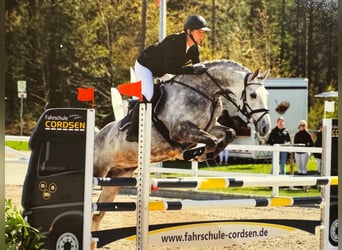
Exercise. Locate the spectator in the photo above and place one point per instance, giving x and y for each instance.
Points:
(223, 155)
(280, 135)
(318, 143)
(302, 137)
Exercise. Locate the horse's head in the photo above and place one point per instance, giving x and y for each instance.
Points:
(254, 101)
(244, 93)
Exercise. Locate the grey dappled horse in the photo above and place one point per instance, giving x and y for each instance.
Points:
(189, 110)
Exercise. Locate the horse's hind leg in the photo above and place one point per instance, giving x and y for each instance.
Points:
(108, 195)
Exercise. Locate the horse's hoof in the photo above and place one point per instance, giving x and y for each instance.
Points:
(193, 153)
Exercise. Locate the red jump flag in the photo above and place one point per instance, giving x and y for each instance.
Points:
(132, 89)
(85, 94)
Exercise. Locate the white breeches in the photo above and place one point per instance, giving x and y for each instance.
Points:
(302, 160)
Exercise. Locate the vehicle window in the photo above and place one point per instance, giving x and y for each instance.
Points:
(61, 156)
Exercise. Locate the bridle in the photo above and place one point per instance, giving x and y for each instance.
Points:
(246, 109)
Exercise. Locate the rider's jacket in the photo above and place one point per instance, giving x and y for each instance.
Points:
(170, 56)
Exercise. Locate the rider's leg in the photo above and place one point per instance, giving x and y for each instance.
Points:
(132, 132)
(145, 75)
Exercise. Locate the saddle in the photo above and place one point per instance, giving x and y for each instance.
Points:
(158, 95)
(127, 120)
(157, 103)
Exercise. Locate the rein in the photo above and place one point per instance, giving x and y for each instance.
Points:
(246, 109)
(214, 100)
(195, 90)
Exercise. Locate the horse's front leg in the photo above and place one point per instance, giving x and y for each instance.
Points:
(189, 133)
(225, 136)
(107, 195)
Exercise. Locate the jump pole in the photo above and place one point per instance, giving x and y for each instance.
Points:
(209, 204)
(204, 183)
(142, 209)
(212, 183)
(143, 186)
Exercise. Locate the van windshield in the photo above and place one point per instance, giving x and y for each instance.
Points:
(57, 156)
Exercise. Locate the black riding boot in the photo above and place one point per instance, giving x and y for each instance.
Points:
(132, 132)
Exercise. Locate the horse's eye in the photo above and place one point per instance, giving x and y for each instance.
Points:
(253, 95)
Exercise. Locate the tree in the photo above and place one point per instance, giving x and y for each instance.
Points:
(57, 46)
(64, 44)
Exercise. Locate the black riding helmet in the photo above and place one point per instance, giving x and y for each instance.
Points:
(196, 22)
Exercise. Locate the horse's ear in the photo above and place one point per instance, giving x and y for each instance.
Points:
(252, 76)
(264, 75)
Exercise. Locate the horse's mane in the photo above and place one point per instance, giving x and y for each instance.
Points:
(236, 66)
(223, 65)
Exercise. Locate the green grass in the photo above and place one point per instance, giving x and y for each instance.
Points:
(18, 145)
(260, 168)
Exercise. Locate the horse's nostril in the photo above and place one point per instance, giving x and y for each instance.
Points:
(264, 130)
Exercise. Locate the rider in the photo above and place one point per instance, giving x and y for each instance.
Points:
(170, 56)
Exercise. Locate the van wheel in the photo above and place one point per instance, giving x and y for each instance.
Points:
(333, 225)
(67, 234)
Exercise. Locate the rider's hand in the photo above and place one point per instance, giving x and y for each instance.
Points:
(199, 68)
